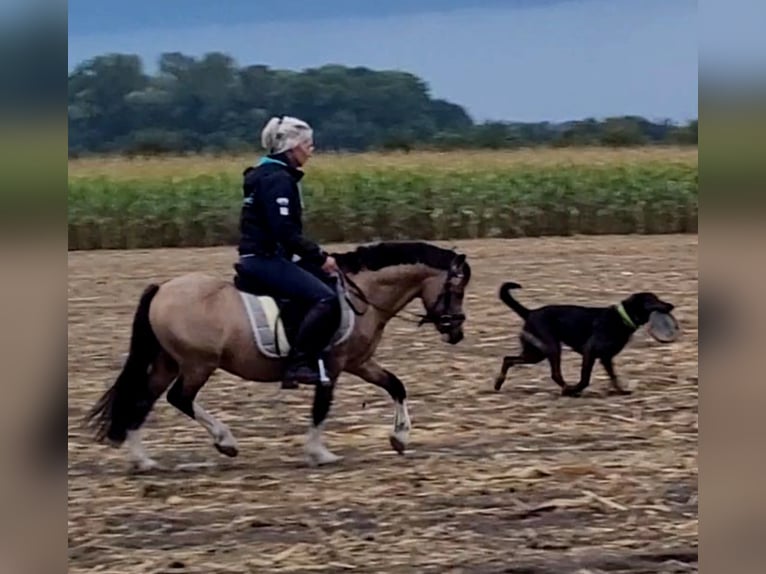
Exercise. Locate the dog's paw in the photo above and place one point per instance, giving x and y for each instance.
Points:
(571, 392)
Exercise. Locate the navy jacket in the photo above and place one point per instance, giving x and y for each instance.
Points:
(271, 217)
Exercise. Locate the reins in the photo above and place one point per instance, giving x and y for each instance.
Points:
(347, 282)
(420, 318)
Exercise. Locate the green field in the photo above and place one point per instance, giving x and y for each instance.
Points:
(194, 201)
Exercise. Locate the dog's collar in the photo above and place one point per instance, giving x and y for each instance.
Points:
(625, 317)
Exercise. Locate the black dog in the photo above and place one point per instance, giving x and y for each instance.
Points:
(593, 332)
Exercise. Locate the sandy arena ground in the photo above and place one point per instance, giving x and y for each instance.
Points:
(517, 481)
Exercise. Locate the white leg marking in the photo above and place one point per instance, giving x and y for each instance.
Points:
(221, 434)
(141, 461)
(400, 435)
(316, 452)
(402, 424)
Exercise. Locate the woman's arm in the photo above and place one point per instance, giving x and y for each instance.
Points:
(283, 211)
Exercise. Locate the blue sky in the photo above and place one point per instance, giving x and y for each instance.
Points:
(522, 60)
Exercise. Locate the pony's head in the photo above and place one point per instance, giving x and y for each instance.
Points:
(442, 297)
(441, 288)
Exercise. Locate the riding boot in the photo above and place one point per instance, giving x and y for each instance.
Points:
(314, 335)
(301, 368)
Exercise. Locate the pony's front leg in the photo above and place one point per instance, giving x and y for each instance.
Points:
(378, 376)
(316, 452)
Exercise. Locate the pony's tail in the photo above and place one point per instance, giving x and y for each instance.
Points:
(125, 405)
(507, 298)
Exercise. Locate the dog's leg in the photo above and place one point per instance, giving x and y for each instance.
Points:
(588, 360)
(529, 356)
(613, 378)
(555, 361)
(508, 362)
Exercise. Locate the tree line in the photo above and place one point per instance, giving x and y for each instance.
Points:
(210, 104)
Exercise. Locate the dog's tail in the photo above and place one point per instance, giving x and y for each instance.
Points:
(507, 298)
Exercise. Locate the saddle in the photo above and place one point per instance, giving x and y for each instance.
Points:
(275, 320)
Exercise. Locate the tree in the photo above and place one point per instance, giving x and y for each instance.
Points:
(622, 132)
(210, 103)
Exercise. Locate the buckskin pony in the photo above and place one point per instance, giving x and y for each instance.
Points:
(189, 326)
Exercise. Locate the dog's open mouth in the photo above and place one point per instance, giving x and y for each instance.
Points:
(663, 327)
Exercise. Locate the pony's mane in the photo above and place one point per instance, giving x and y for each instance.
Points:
(377, 256)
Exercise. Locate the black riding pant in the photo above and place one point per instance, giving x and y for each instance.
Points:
(285, 279)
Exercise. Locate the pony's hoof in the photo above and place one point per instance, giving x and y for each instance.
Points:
(144, 465)
(322, 458)
(230, 451)
(397, 444)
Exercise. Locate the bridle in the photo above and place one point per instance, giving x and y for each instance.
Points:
(441, 320)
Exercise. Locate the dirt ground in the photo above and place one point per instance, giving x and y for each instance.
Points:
(520, 481)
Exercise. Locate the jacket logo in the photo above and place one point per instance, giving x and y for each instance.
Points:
(283, 202)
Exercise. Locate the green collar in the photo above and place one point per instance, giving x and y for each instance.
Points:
(625, 317)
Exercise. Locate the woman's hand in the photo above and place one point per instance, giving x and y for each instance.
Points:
(329, 265)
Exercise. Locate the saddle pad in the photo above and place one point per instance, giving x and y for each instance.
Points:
(266, 323)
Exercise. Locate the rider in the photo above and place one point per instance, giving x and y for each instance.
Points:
(273, 249)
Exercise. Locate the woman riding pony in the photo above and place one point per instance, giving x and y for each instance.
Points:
(276, 254)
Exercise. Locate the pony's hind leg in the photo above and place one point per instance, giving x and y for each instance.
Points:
(182, 395)
(316, 452)
(138, 457)
(122, 408)
(163, 371)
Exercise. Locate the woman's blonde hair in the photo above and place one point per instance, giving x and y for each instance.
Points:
(283, 133)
